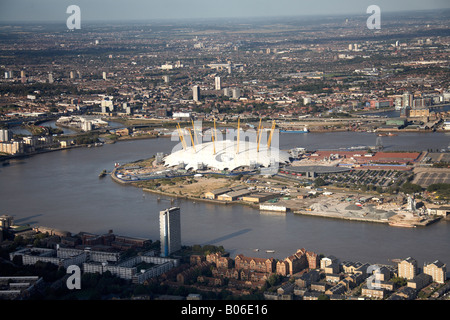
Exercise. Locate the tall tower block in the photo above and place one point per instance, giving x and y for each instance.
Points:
(170, 231)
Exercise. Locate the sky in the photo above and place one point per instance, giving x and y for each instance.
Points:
(116, 10)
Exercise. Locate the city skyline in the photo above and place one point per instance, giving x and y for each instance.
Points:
(52, 11)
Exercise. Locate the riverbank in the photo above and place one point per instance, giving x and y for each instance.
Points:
(393, 221)
(332, 216)
(130, 138)
(173, 194)
(26, 155)
(331, 205)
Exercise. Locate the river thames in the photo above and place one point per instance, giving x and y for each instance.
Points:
(62, 190)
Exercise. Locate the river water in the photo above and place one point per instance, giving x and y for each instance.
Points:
(62, 190)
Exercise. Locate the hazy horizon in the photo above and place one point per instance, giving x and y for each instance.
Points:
(140, 10)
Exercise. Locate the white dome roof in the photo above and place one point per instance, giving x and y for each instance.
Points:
(226, 156)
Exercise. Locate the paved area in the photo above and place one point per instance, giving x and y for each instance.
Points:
(428, 176)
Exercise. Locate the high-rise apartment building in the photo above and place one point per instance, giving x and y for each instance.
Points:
(217, 83)
(170, 230)
(408, 99)
(236, 93)
(407, 268)
(196, 93)
(437, 270)
(23, 76)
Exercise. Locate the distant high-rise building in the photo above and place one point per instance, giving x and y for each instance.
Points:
(107, 104)
(50, 78)
(104, 75)
(236, 93)
(196, 93)
(229, 68)
(23, 77)
(86, 125)
(170, 231)
(72, 75)
(217, 83)
(5, 135)
(408, 99)
(166, 78)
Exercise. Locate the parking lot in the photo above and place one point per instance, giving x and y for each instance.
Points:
(427, 178)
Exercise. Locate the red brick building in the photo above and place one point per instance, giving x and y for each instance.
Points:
(255, 264)
(300, 260)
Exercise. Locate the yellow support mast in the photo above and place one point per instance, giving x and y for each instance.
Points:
(181, 136)
(192, 139)
(193, 128)
(260, 129)
(257, 132)
(238, 138)
(213, 135)
(271, 134)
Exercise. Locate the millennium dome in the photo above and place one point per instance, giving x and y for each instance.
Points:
(226, 155)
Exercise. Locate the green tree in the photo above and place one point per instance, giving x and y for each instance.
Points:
(319, 182)
(399, 281)
(411, 188)
(274, 279)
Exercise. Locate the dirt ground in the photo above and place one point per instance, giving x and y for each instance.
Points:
(197, 186)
